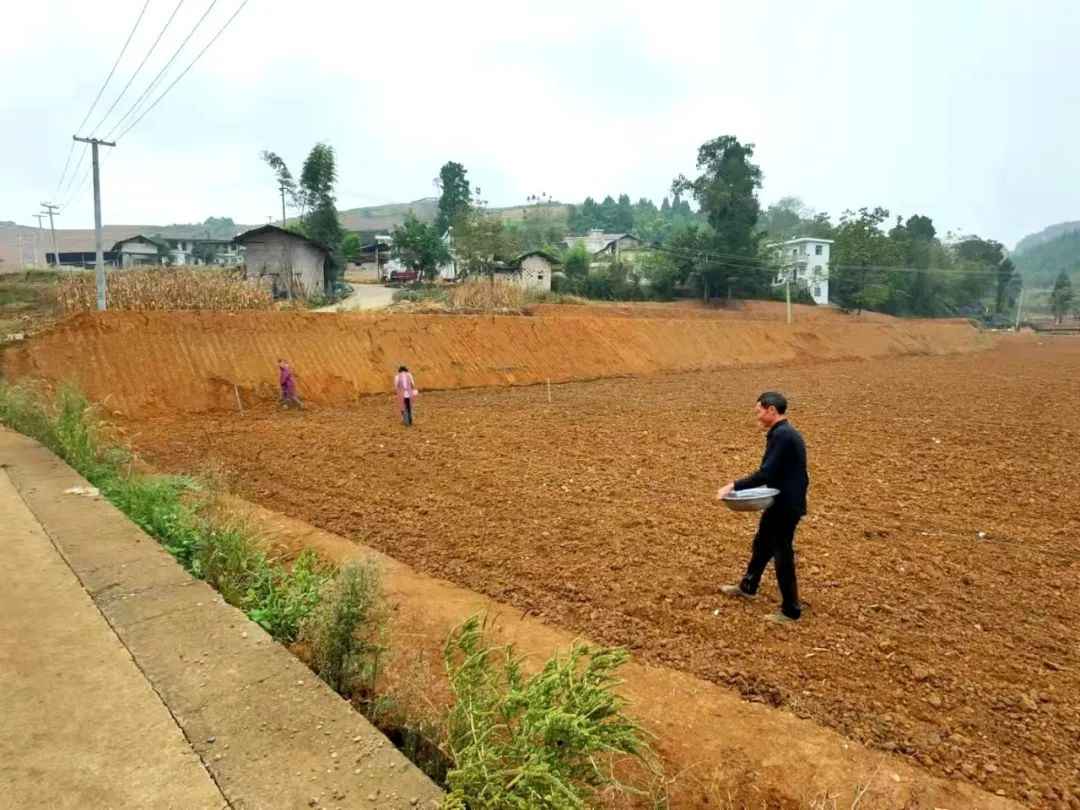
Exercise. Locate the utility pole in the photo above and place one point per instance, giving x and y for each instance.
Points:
(99, 264)
(1019, 307)
(283, 220)
(41, 233)
(51, 209)
(787, 293)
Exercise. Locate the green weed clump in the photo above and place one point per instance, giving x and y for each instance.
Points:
(347, 662)
(548, 740)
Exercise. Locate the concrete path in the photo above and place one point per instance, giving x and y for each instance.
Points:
(82, 727)
(364, 296)
(125, 683)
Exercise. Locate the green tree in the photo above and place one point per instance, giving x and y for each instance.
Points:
(481, 240)
(205, 252)
(419, 246)
(861, 256)
(660, 271)
(976, 263)
(313, 196)
(726, 193)
(1062, 297)
(624, 215)
(284, 178)
(455, 197)
(576, 261)
(1006, 272)
(350, 246)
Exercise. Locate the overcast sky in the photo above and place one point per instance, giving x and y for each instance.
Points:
(966, 111)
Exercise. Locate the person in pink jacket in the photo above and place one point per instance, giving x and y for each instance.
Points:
(405, 386)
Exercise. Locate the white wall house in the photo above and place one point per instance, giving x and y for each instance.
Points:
(805, 261)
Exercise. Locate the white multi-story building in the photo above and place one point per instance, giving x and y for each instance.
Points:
(805, 261)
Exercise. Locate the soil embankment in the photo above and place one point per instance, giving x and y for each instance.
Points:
(145, 363)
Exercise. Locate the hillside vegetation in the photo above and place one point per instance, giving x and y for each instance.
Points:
(1039, 258)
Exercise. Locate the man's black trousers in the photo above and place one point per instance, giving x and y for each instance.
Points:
(774, 541)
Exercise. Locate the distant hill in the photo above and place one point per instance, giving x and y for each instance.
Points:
(1046, 235)
(1042, 256)
(386, 217)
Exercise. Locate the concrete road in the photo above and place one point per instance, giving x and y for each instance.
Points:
(364, 296)
(82, 726)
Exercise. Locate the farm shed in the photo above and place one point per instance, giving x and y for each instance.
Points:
(281, 255)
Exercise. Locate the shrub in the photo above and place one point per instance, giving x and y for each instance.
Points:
(541, 741)
(282, 599)
(348, 663)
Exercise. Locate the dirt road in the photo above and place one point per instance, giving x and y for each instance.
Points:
(364, 296)
(938, 565)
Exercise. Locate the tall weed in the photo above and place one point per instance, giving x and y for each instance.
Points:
(542, 741)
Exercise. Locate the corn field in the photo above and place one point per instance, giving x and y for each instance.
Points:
(172, 288)
(487, 294)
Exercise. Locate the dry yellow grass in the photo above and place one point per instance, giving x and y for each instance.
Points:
(487, 295)
(165, 288)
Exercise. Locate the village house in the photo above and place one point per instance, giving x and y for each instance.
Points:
(599, 243)
(805, 262)
(531, 271)
(141, 250)
(290, 261)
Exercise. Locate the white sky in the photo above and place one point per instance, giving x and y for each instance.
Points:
(965, 111)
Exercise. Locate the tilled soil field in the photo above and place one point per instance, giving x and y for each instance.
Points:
(938, 567)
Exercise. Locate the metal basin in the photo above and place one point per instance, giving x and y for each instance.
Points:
(757, 499)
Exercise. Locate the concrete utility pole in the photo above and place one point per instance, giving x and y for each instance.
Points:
(283, 220)
(787, 293)
(99, 264)
(51, 209)
(41, 233)
(1019, 309)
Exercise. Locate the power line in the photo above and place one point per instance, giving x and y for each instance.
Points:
(161, 33)
(184, 73)
(75, 173)
(165, 69)
(97, 98)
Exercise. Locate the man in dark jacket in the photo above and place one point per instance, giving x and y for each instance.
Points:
(784, 468)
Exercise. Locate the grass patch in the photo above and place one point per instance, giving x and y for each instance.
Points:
(422, 292)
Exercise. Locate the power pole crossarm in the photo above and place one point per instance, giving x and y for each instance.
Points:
(99, 264)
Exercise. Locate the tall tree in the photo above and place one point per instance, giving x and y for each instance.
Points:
(481, 240)
(1061, 297)
(284, 176)
(624, 215)
(313, 197)
(1006, 272)
(726, 192)
(455, 195)
(419, 246)
(861, 254)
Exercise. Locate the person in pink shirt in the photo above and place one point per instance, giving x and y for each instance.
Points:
(288, 386)
(405, 387)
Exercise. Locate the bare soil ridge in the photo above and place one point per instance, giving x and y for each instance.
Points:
(142, 363)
